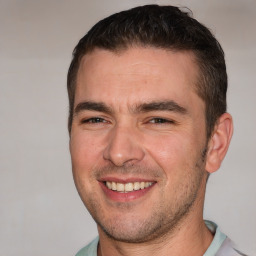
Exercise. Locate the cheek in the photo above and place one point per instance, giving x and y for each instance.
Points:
(84, 152)
(167, 148)
(175, 154)
(83, 155)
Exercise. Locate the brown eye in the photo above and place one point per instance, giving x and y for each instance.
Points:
(94, 120)
(158, 120)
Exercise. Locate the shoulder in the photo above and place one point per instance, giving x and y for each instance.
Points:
(221, 245)
(90, 249)
(228, 249)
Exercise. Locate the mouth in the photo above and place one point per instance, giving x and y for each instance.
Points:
(126, 190)
(127, 187)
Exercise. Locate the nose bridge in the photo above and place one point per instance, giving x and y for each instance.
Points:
(123, 146)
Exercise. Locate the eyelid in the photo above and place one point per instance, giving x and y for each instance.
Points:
(162, 120)
(94, 120)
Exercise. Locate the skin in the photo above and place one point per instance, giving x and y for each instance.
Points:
(118, 134)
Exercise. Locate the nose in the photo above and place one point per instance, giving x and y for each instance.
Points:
(123, 147)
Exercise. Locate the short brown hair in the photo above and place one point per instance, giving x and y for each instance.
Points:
(165, 27)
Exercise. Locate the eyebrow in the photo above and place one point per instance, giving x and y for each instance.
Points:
(168, 105)
(93, 106)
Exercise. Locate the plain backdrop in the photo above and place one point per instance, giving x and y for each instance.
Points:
(41, 213)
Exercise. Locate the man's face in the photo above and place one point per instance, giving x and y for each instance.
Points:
(137, 141)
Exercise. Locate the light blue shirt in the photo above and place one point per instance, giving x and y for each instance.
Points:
(221, 245)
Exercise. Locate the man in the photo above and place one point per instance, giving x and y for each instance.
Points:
(148, 124)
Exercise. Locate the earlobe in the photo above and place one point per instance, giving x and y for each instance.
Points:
(219, 142)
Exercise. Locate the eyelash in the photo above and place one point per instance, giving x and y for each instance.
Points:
(159, 120)
(155, 120)
(94, 120)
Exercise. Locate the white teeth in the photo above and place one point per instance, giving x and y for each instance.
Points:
(148, 184)
(127, 187)
(120, 187)
(136, 185)
(113, 186)
(109, 185)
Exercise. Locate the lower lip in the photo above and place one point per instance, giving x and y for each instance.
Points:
(124, 197)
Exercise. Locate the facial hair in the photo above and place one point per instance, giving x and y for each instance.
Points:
(166, 215)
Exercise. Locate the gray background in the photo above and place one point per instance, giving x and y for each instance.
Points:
(41, 213)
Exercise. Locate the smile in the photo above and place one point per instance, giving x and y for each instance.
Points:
(127, 187)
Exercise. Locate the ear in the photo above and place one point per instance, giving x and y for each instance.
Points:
(219, 142)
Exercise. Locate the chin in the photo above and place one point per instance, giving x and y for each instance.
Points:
(136, 230)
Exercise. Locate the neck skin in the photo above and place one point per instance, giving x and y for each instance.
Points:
(190, 237)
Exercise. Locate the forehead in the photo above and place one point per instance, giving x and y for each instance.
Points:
(144, 73)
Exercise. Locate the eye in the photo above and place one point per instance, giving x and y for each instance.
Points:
(158, 120)
(93, 120)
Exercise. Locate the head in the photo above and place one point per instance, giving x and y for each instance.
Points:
(164, 27)
(147, 109)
